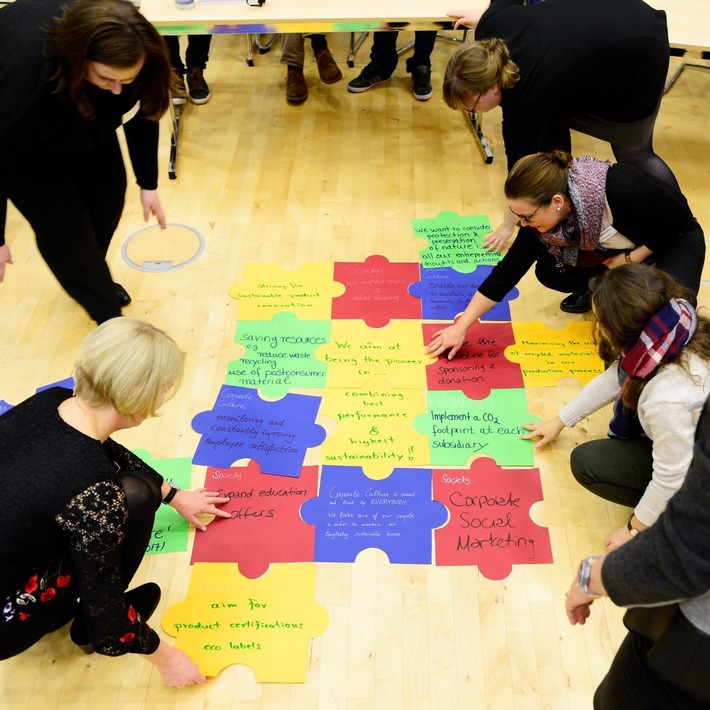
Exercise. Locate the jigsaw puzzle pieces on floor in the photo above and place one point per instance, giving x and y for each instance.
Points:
(454, 241)
(489, 524)
(545, 355)
(265, 525)
(460, 428)
(227, 619)
(353, 513)
(278, 355)
(374, 429)
(241, 425)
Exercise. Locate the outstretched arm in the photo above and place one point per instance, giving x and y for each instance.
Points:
(452, 338)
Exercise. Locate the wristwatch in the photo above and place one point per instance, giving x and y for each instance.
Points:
(632, 530)
(585, 569)
(627, 256)
(174, 488)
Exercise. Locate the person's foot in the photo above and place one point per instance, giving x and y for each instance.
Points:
(197, 87)
(577, 302)
(178, 92)
(296, 89)
(144, 599)
(370, 76)
(328, 70)
(123, 298)
(421, 78)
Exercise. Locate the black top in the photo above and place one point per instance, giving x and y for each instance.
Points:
(34, 120)
(607, 58)
(644, 209)
(60, 494)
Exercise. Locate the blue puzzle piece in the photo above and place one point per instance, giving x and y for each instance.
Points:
(446, 292)
(67, 382)
(353, 512)
(241, 425)
(4, 406)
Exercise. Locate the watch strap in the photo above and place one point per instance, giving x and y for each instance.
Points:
(174, 488)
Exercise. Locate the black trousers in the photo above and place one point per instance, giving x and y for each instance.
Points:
(632, 685)
(683, 261)
(618, 470)
(384, 50)
(196, 55)
(48, 598)
(74, 203)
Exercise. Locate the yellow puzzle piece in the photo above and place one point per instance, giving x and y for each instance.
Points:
(264, 623)
(375, 429)
(545, 355)
(268, 288)
(358, 354)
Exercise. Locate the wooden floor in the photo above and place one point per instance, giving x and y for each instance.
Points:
(338, 178)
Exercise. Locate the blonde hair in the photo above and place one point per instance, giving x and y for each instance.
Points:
(129, 365)
(476, 67)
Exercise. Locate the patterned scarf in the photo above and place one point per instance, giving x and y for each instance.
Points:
(661, 341)
(580, 230)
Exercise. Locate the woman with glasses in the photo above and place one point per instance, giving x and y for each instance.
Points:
(579, 218)
(597, 66)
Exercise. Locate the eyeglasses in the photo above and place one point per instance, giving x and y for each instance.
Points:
(525, 217)
(472, 110)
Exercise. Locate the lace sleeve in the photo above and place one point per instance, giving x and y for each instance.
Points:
(94, 523)
(127, 461)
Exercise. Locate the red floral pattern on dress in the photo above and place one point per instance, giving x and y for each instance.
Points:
(63, 580)
(132, 616)
(127, 638)
(31, 584)
(48, 594)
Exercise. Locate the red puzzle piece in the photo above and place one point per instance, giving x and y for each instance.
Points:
(265, 525)
(376, 291)
(489, 523)
(480, 364)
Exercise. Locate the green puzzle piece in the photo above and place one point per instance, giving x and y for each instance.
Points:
(454, 241)
(170, 528)
(279, 355)
(460, 428)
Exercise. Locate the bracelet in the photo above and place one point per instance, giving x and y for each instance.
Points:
(585, 570)
(632, 530)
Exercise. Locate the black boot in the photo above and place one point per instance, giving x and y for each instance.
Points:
(123, 298)
(577, 302)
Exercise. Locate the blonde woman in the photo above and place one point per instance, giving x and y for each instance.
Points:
(78, 508)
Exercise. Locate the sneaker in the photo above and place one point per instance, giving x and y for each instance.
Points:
(328, 70)
(178, 92)
(421, 77)
(577, 302)
(370, 76)
(296, 88)
(197, 86)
